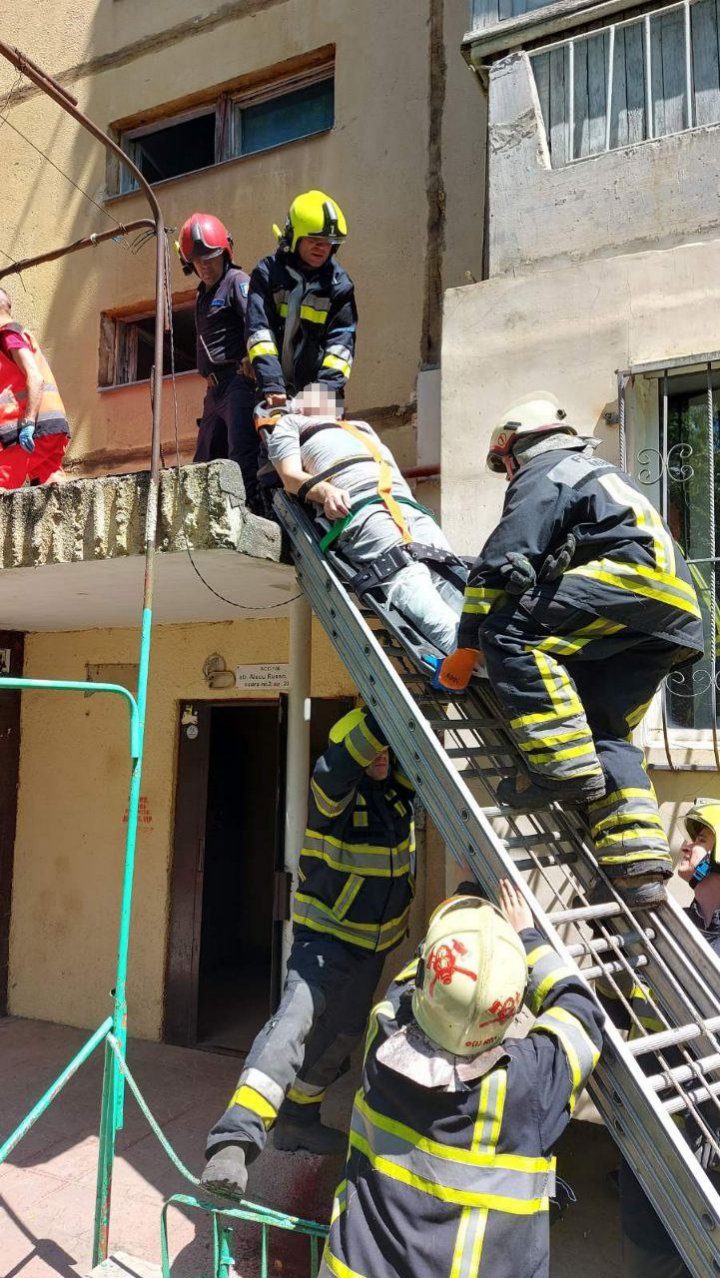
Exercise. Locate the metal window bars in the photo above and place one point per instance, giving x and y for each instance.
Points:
(581, 102)
(673, 461)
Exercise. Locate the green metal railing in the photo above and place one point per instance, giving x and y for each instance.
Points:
(113, 1030)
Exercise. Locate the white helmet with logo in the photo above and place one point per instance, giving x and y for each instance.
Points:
(471, 976)
(533, 416)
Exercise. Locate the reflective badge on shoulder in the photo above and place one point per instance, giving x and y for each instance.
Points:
(245, 288)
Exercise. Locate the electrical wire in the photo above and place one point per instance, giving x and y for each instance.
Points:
(62, 173)
(234, 603)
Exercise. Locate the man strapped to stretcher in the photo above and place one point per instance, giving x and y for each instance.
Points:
(367, 511)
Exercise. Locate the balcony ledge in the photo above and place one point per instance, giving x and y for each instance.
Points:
(71, 554)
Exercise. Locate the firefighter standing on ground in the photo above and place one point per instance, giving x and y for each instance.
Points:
(581, 603)
(34, 431)
(356, 883)
(648, 1249)
(450, 1165)
(226, 428)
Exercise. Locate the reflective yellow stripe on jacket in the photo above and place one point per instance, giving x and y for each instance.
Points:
(309, 912)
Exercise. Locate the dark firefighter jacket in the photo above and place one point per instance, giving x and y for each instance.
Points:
(220, 323)
(640, 1221)
(357, 864)
(624, 553)
(450, 1164)
(323, 344)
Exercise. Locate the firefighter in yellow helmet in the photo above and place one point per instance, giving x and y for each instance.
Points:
(302, 318)
(450, 1166)
(356, 884)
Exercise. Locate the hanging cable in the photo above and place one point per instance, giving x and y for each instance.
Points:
(181, 499)
(62, 172)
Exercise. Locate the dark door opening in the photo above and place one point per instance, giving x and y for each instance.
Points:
(236, 932)
(224, 954)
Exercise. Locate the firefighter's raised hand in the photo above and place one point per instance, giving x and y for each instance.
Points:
(514, 906)
(336, 501)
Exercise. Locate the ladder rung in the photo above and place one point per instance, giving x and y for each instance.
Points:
(672, 1037)
(612, 943)
(550, 858)
(537, 836)
(696, 1096)
(459, 725)
(683, 1073)
(614, 965)
(607, 911)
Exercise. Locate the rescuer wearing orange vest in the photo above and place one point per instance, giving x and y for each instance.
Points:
(34, 431)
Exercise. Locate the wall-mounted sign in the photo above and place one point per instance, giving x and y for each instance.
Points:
(268, 677)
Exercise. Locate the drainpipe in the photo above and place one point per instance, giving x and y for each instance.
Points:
(298, 746)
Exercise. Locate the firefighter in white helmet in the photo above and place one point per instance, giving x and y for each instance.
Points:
(450, 1166)
(581, 604)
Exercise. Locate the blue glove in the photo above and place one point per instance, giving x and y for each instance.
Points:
(26, 435)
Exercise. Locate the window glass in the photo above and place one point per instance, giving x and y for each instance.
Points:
(627, 82)
(178, 148)
(285, 118)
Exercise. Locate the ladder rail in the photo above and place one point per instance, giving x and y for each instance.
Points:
(674, 1180)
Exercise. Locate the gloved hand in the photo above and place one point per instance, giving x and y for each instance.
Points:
(26, 435)
(453, 673)
(555, 565)
(518, 572)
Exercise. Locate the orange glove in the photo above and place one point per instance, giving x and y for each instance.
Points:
(456, 670)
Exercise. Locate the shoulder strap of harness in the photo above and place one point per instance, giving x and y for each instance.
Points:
(384, 485)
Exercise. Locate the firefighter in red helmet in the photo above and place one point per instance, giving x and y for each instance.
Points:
(226, 428)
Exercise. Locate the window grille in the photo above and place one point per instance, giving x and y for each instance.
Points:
(676, 463)
(630, 82)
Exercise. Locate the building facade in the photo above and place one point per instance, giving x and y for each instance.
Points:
(233, 110)
(600, 286)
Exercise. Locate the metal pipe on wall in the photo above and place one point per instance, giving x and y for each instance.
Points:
(298, 745)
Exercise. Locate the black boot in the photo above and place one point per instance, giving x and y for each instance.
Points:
(309, 1137)
(536, 794)
(225, 1172)
(641, 884)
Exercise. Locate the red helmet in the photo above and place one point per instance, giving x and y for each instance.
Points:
(203, 236)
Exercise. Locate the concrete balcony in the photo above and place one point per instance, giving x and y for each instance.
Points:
(71, 555)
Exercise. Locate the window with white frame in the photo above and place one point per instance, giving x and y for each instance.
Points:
(673, 416)
(127, 345)
(230, 125)
(629, 82)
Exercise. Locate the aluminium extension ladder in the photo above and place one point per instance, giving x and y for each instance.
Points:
(551, 853)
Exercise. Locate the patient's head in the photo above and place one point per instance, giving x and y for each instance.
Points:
(316, 400)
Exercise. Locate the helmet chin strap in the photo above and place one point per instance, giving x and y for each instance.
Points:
(701, 871)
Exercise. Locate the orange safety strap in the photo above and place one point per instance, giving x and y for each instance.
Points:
(384, 487)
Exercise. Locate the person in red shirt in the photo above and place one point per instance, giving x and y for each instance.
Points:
(34, 431)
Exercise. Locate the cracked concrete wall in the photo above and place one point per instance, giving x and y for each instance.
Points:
(650, 196)
(90, 519)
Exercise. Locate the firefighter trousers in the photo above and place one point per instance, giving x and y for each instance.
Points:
(304, 1047)
(574, 686)
(227, 429)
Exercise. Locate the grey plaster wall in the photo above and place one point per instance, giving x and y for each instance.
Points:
(653, 195)
(94, 519)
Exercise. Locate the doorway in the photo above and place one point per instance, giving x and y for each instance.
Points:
(228, 897)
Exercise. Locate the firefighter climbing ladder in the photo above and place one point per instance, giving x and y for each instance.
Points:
(549, 851)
